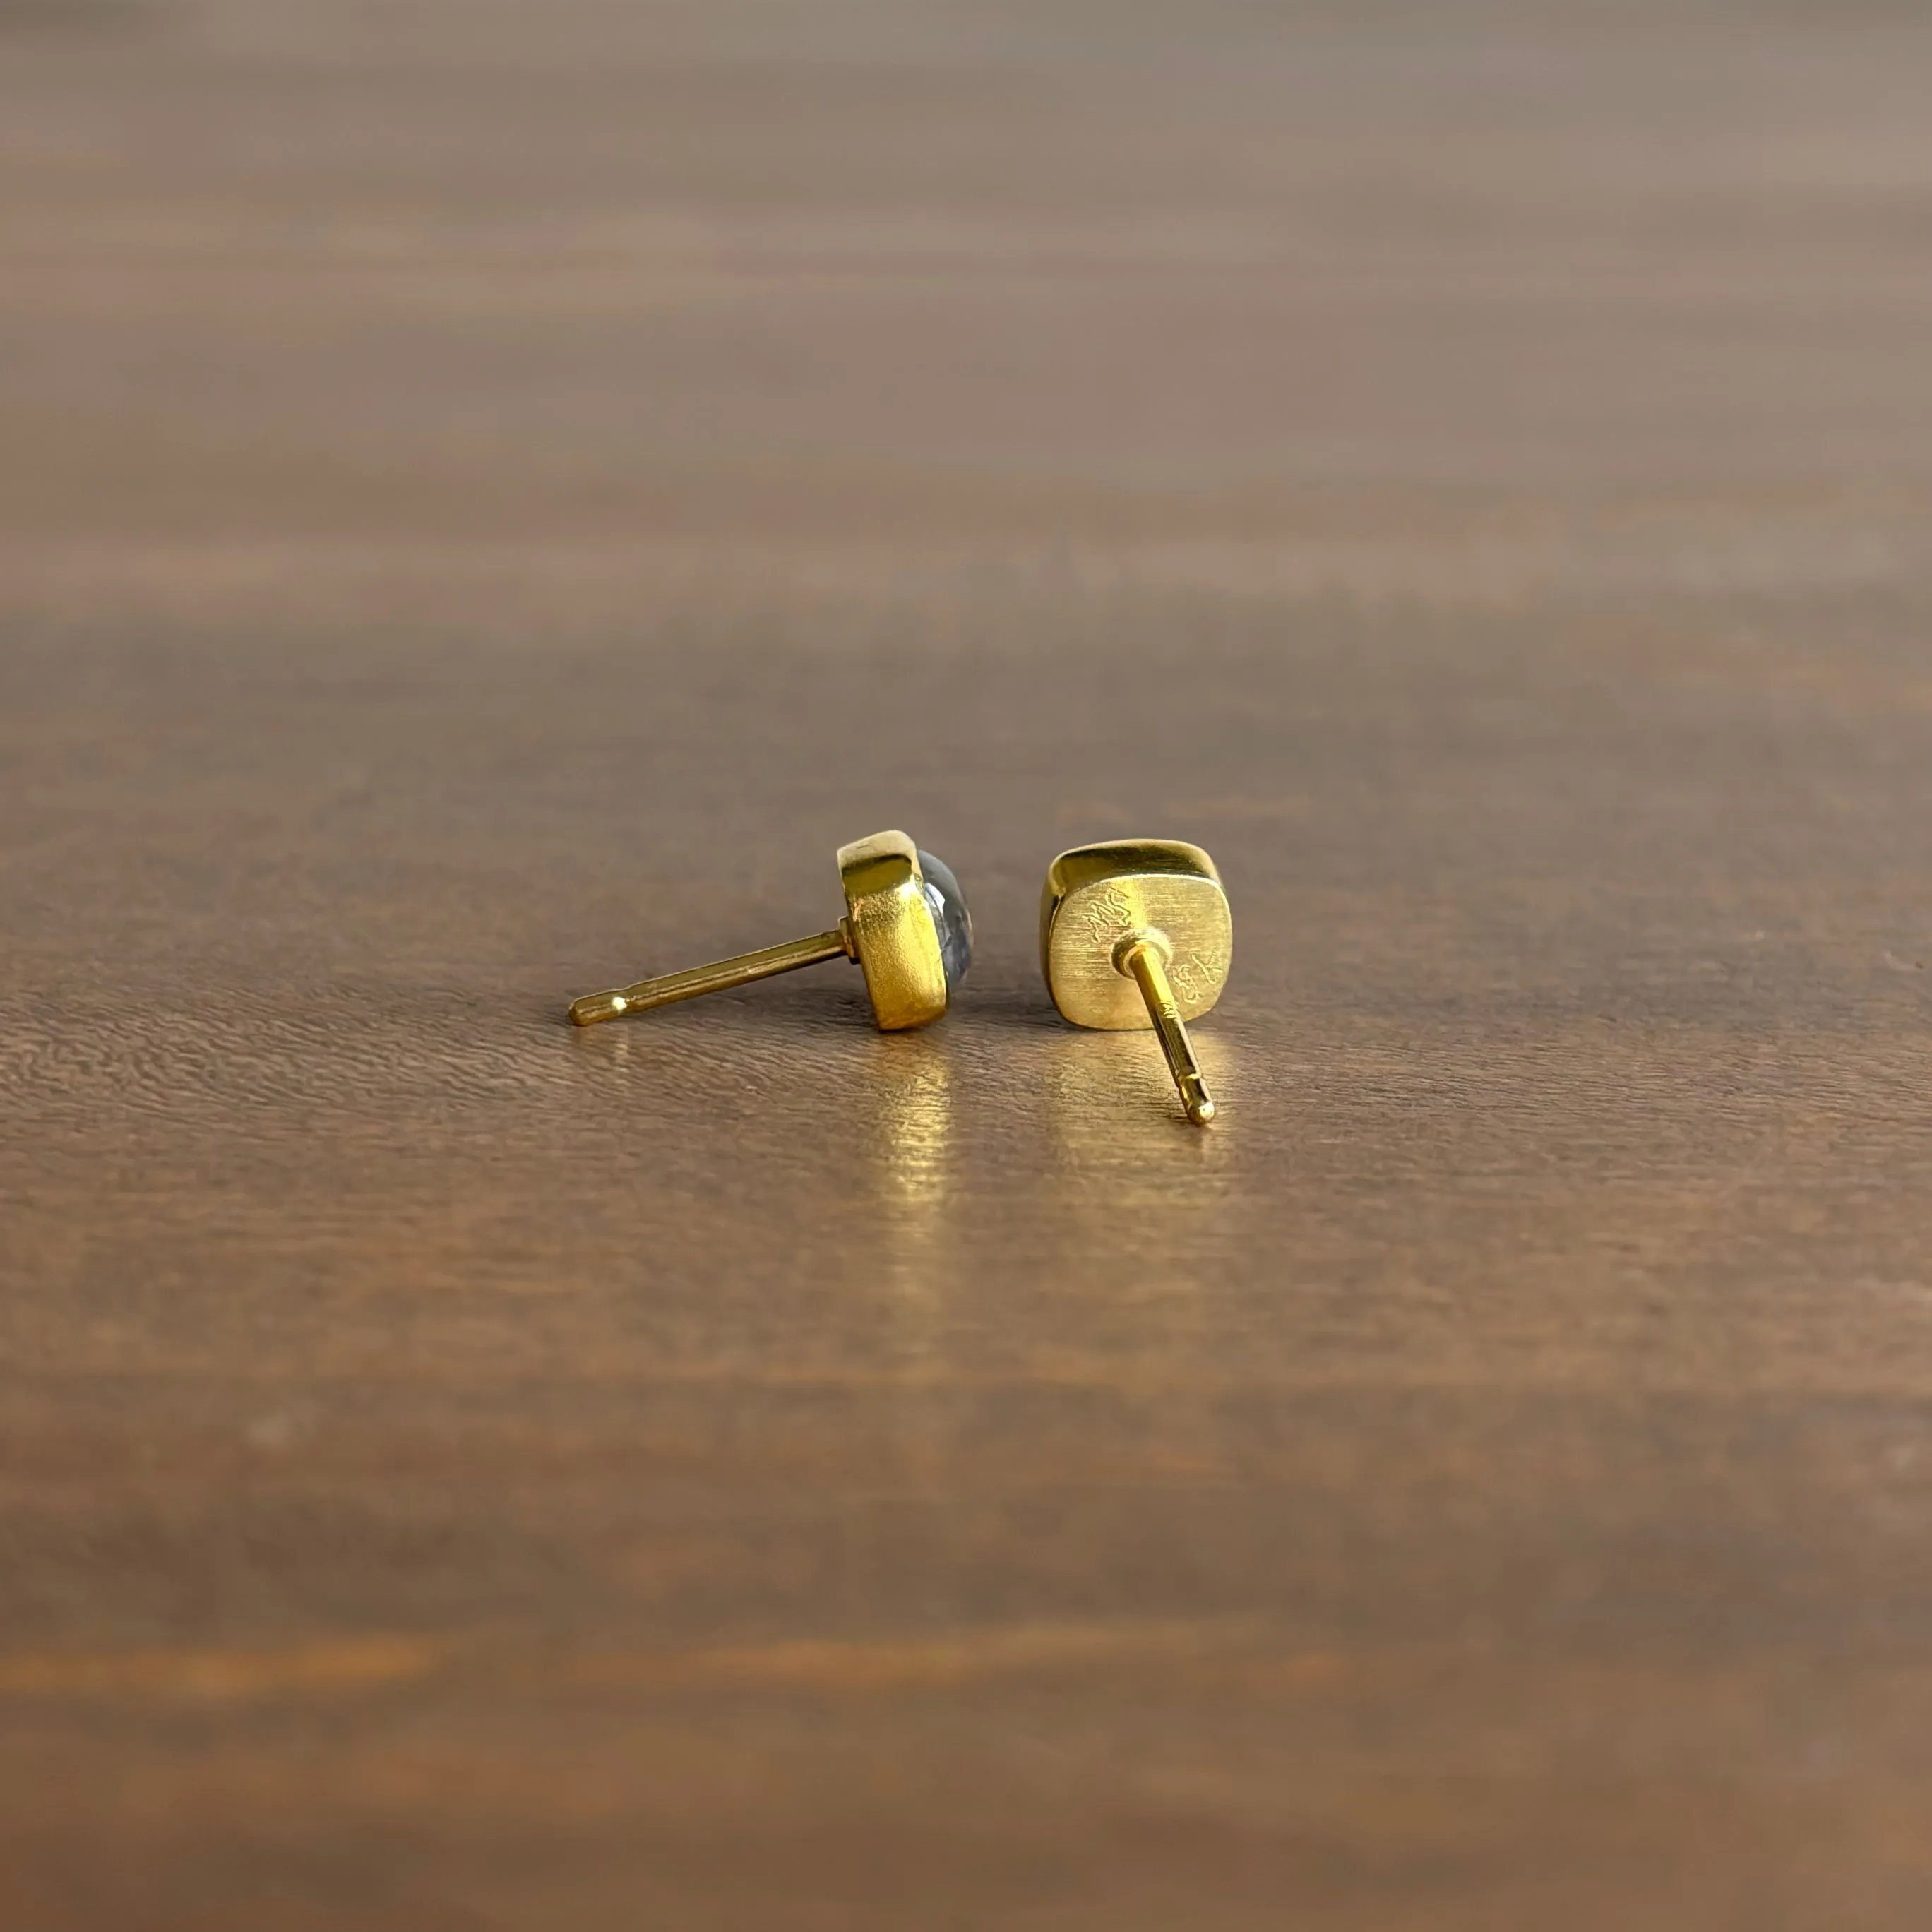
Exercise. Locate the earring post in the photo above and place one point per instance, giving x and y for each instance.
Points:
(1142, 959)
(670, 988)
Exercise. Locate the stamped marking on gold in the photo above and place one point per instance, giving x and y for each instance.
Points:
(1109, 914)
(1193, 978)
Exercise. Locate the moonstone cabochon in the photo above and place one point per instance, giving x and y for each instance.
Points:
(955, 923)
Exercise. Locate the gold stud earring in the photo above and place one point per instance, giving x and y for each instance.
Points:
(906, 924)
(1138, 933)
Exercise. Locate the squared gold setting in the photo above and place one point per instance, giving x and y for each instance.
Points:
(1097, 896)
(892, 931)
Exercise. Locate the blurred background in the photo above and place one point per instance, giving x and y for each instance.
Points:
(566, 305)
(492, 493)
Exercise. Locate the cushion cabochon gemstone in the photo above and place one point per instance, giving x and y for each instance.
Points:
(949, 915)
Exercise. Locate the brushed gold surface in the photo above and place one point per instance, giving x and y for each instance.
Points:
(892, 931)
(1096, 896)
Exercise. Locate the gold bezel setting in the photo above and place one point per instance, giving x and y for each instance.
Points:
(892, 931)
(903, 929)
(1096, 897)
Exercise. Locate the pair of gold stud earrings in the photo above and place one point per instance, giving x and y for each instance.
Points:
(1136, 933)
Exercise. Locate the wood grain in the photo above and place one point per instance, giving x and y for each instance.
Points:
(491, 496)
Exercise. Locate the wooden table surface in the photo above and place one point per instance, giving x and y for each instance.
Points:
(492, 495)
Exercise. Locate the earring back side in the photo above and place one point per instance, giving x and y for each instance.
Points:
(1098, 898)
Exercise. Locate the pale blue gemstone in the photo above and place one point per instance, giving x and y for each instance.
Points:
(950, 915)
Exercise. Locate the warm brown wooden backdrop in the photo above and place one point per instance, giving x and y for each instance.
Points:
(491, 495)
